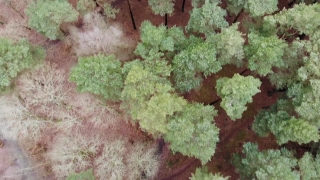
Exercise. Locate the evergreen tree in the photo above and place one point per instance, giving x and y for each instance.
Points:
(16, 57)
(99, 74)
(192, 133)
(207, 18)
(159, 41)
(46, 16)
(161, 7)
(203, 174)
(265, 165)
(236, 92)
(279, 120)
(309, 167)
(255, 8)
(263, 53)
(149, 98)
(229, 45)
(197, 58)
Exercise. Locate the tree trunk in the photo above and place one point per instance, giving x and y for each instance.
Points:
(271, 93)
(237, 17)
(212, 103)
(166, 20)
(132, 18)
(183, 3)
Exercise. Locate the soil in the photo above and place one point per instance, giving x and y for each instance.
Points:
(233, 134)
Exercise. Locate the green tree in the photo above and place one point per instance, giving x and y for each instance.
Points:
(265, 165)
(108, 10)
(149, 98)
(46, 16)
(305, 93)
(207, 18)
(229, 45)
(264, 52)
(85, 6)
(161, 7)
(16, 57)
(159, 41)
(309, 167)
(285, 127)
(192, 133)
(99, 74)
(236, 92)
(198, 58)
(285, 76)
(254, 7)
(299, 18)
(203, 174)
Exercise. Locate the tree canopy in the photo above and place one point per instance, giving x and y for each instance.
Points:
(46, 16)
(192, 132)
(16, 57)
(99, 74)
(236, 92)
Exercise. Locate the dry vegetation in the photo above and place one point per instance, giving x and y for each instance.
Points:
(48, 130)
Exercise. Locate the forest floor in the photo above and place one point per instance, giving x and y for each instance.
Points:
(233, 134)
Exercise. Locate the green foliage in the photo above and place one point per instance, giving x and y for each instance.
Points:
(207, 19)
(108, 10)
(161, 7)
(15, 57)
(85, 6)
(296, 130)
(46, 16)
(265, 165)
(305, 94)
(203, 174)
(229, 45)
(198, 57)
(285, 76)
(153, 118)
(83, 175)
(236, 92)
(149, 97)
(309, 167)
(254, 7)
(299, 18)
(263, 53)
(283, 126)
(99, 74)
(156, 41)
(192, 132)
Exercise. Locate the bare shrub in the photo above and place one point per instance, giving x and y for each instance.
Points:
(72, 153)
(88, 107)
(143, 163)
(43, 91)
(120, 161)
(17, 122)
(110, 165)
(96, 36)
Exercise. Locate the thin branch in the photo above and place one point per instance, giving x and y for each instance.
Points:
(9, 2)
